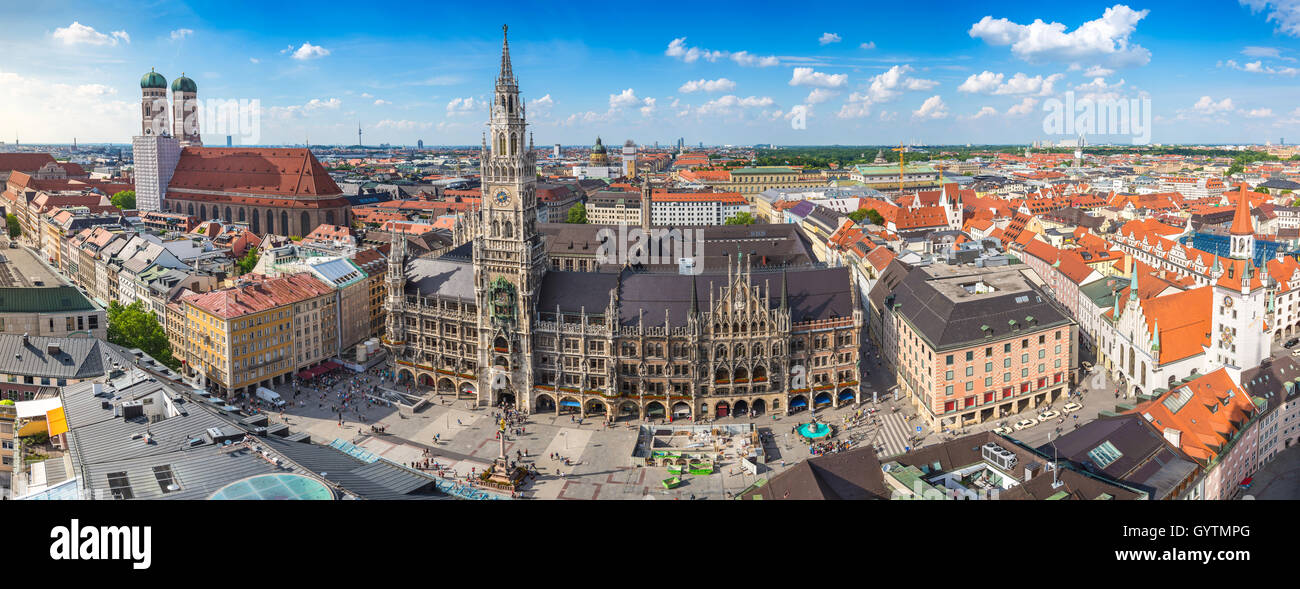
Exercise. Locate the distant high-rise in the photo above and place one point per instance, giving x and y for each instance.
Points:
(229, 141)
(629, 159)
(555, 151)
(419, 144)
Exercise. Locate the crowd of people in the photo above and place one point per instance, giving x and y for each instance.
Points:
(348, 395)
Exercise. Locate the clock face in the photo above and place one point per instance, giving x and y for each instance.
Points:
(503, 197)
(1227, 301)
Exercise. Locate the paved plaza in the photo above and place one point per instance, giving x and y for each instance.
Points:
(461, 438)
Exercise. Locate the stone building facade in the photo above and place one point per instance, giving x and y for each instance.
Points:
(493, 321)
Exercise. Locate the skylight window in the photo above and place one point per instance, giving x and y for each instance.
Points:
(166, 478)
(120, 486)
(1105, 454)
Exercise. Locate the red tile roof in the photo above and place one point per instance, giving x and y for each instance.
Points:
(1208, 419)
(24, 162)
(236, 302)
(252, 170)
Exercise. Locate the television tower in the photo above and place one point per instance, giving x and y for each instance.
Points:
(358, 133)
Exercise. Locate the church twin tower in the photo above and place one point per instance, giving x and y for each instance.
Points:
(153, 109)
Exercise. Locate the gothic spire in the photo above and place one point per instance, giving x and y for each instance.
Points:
(695, 298)
(1241, 220)
(785, 299)
(507, 73)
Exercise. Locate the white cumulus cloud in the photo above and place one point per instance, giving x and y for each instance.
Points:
(890, 84)
(987, 82)
(1025, 107)
(463, 106)
(828, 38)
(1207, 105)
(805, 76)
(932, 108)
(1104, 40)
(679, 49)
(718, 85)
(79, 34)
(308, 51)
(1286, 13)
(179, 34)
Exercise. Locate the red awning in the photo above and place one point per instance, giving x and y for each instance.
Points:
(1248, 480)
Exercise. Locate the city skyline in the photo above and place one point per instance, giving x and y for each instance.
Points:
(960, 75)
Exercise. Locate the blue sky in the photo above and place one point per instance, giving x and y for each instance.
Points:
(718, 73)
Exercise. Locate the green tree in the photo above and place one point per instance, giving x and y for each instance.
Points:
(577, 214)
(869, 214)
(15, 229)
(1235, 168)
(248, 262)
(135, 326)
(741, 218)
(124, 200)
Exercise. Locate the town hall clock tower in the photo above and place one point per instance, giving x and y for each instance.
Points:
(509, 255)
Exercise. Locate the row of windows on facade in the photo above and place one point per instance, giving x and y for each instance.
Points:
(1006, 378)
(255, 219)
(991, 396)
(1006, 363)
(81, 323)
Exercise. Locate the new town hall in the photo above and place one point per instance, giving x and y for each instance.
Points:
(490, 320)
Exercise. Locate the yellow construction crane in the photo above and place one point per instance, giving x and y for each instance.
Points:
(901, 150)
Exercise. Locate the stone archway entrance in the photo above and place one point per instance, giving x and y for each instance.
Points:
(681, 411)
(722, 409)
(742, 409)
(594, 407)
(467, 391)
(655, 410)
(628, 411)
(545, 403)
(759, 408)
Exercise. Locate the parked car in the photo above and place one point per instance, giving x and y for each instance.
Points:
(1048, 415)
(1291, 342)
(1004, 430)
(1071, 407)
(1026, 423)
